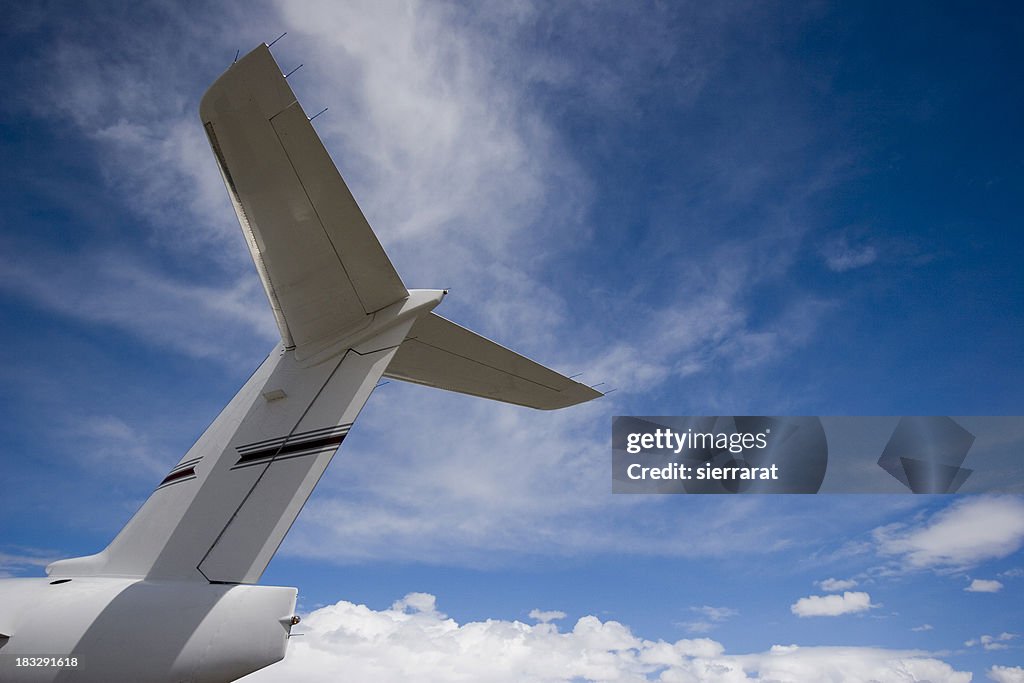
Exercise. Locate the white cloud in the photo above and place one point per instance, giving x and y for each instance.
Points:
(16, 561)
(435, 125)
(424, 603)
(227, 322)
(1015, 573)
(115, 445)
(711, 617)
(1006, 674)
(836, 585)
(449, 160)
(546, 616)
(138, 109)
(923, 627)
(527, 482)
(832, 605)
(450, 154)
(991, 643)
(716, 613)
(447, 154)
(840, 256)
(966, 533)
(407, 643)
(984, 586)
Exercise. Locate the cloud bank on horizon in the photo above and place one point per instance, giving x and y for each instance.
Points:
(413, 640)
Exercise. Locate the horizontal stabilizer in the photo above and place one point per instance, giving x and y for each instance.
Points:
(438, 353)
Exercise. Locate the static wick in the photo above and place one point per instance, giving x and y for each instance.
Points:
(592, 386)
(317, 114)
(277, 39)
(293, 71)
(236, 56)
(576, 375)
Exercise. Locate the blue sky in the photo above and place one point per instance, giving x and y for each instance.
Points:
(728, 208)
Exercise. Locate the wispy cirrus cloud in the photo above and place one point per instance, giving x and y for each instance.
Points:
(469, 170)
(836, 585)
(468, 173)
(113, 289)
(16, 560)
(463, 170)
(840, 256)
(132, 102)
(709, 618)
(115, 445)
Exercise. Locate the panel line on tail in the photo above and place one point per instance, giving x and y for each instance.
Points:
(266, 467)
(316, 212)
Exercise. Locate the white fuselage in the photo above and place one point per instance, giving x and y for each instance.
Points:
(142, 630)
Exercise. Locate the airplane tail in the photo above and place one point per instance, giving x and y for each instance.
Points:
(346, 319)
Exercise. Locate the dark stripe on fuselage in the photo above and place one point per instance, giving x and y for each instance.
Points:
(277, 441)
(178, 475)
(303, 454)
(291, 448)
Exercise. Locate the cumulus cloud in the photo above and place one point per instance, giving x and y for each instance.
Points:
(989, 642)
(984, 586)
(414, 641)
(966, 533)
(832, 605)
(424, 603)
(836, 585)
(1006, 674)
(923, 627)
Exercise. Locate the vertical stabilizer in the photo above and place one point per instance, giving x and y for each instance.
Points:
(345, 318)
